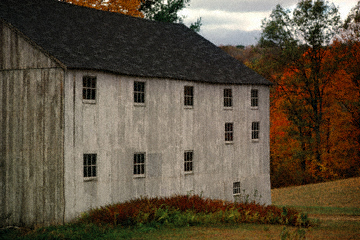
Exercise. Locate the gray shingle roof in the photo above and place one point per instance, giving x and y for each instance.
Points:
(83, 38)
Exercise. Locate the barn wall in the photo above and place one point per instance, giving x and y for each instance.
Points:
(31, 134)
(115, 128)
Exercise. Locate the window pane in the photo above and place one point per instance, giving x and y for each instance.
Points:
(236, 188)
(228, 131)
(227, 93)
(188, 95)
(93, 171)
(188, 160)
(255, 129)
(254, 98)
(85, 171)
(139, 92)
(139, 163)
(89, 162)
(89, 87)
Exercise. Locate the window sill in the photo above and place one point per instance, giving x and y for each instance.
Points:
(139, 176)
(229, 142)
(139, 104)
(254, 108)
(90, 179)
(89, 101)
(255, 140)
(228, 108)
(189, 173)
(189, 107)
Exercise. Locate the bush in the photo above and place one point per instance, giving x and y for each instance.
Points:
(182, 210)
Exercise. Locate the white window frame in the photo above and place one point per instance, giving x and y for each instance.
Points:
(139, 94)
(229, 132)
(254, 98)
(255, 131)
(188, 161)
(90, 170)
(236, 188)
(139, 167)
(228, 100)
(189, 98)
(89, 89)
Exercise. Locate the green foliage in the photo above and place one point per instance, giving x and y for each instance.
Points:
(167, 11)
(313, 24)
(163, 11)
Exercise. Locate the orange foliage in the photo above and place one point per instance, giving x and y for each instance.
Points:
(292, 158)
(128, 7)
(340, 128)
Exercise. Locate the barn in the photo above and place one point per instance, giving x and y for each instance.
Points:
(100, 107)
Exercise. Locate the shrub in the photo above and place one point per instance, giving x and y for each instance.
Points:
(184, 210)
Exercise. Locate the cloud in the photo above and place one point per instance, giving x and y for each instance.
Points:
(238, 22)
(240, 5)
(231, 37)
(216, 19)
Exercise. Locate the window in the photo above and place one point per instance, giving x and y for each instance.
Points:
(228, 97)
(139, 163)
(89, 165)
(236, 188)
(229, 132)
(255, 129)
(254, 98)
(188, 161)
(188, 96)
(89, 88)
(139, 92)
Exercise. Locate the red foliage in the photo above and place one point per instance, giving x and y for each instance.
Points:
(126, 213)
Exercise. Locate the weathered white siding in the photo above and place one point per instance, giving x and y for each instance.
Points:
(46, 127)
(31, 134)
(115, 128)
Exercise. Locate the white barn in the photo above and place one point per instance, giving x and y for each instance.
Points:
(99, 107)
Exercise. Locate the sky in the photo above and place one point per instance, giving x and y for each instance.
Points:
(238, 22)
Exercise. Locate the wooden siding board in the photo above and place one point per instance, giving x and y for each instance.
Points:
(32, 147)
(17, 52)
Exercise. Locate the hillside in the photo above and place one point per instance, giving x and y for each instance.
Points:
(341, 193)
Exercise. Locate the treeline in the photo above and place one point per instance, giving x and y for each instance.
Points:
(313, 59)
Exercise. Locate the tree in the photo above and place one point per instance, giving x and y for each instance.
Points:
(167, 11)
(300, 41)
(351, 28)
(128, 7)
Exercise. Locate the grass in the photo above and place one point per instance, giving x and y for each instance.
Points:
(336, 204)
(341, 194)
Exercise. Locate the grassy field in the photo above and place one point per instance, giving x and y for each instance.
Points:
(333, 206)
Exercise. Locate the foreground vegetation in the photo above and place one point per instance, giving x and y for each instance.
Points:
(131, 219)
(333, 209)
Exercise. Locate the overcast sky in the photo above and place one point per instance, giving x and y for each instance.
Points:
(238, 22)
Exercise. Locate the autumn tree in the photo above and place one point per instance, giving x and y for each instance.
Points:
(299, 41)
(128, 7)
(347, 91)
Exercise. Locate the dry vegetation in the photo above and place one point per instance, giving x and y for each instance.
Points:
(342, 193)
